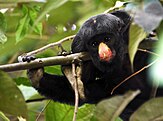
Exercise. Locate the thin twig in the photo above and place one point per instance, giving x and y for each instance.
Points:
(50, 45)
(154, 85)
(76, 92)
(147, 51)
(42, 110)
(137, 72)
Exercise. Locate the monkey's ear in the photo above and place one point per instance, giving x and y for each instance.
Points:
(125, 17)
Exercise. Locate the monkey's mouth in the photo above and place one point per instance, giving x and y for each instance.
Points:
(106, 54)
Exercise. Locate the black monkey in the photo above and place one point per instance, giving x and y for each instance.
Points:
(105, 37)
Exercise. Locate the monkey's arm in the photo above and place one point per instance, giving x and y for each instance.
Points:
(52, 86)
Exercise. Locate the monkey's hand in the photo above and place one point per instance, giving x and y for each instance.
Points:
(34, 74)
(26, 58)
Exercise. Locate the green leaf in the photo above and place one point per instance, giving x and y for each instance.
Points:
(25, 10)
(11, 99)
(110, 109)
(19, 1)
(149, 111)
(118, 119)
(50, 5)
(33, 13)
(117, 5)
(53, 70)
(3, 117)
(3, 37)
(3, 27)
(136, 35)
(3, 23)
(62, 112)
(22, 80)
(23, 25)
(85, 112)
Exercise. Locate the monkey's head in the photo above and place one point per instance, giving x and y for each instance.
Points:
(105, 37)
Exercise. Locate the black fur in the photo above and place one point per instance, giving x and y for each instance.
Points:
(98, 77)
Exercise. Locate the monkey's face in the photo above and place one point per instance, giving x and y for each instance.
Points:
(104, 36)
(102, 46)
(105, 51)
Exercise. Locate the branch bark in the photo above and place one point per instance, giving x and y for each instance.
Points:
(41, 62)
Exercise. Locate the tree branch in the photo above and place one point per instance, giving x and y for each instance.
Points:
(50, 45)
(41, 62)
(76, 92)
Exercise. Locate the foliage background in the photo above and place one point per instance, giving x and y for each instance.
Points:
(26, 25)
